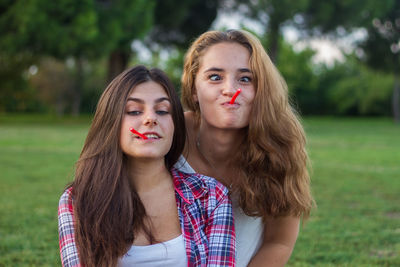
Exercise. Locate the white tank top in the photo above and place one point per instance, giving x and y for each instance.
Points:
(249, 230)
(170, 253)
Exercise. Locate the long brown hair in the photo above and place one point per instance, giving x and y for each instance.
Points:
(107, 209)
(273, 178)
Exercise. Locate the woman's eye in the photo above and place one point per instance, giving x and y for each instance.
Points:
(245, 79)
(162, 112)
(134, 112)
(214, 77)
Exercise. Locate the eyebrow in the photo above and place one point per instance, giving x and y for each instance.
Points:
(141, 101)
(220, 70)
(214, 69)
(244, 70)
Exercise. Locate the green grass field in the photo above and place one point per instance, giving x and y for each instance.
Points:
(355, 181)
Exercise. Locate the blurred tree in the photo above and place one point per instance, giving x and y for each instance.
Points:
(60, 29)
(179, 22)
(53, 72)
(15, 93)
(311, 17)
(380, 18)
(176, 25)
(301, 79)
(346, 88)
(351, 88)
(119, 23)
(272, 14)
(339, 17)
(83, 30)
(382, 47)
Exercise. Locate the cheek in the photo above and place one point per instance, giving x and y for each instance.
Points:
(125, 134)
(206, 96)
(170, 131)
(250, 96)
(201, 91)
(124, 130)
(171, 127)
(168, 127)
(123, 142)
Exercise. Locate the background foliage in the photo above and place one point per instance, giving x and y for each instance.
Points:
(58, 57)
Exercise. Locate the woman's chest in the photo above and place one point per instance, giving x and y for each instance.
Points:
(161, 219)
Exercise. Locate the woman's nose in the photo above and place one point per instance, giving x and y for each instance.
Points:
(150, 120)
(229, 88)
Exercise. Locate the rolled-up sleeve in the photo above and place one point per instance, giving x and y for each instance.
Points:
(66, 231)
(220, 231)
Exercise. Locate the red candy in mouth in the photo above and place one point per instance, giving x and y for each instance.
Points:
(235, 95)
(137, 133)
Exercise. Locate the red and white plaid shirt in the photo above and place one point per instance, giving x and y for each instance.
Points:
(205, 215)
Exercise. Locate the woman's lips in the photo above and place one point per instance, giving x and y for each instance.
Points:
(152, 135)
(231, 106)
(138, 135)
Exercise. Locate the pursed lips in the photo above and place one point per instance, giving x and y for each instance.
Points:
(229, 105)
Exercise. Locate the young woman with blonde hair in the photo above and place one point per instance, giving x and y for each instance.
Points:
(255, 145)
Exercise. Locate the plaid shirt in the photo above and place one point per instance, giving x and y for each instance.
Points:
(205, 215)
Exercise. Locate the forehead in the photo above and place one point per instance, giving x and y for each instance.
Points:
(223, 55)
(149, 90)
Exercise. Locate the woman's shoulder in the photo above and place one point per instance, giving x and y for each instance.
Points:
(66, 198)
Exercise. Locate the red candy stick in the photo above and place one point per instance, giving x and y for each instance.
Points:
(137, 133)
(235, 95)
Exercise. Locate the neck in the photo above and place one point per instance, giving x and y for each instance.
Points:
(219, 145)
(147, 175)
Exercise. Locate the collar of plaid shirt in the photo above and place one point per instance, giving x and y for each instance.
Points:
(188, 190)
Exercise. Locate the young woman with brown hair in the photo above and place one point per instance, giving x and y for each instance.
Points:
(128, 205)
(255, 145)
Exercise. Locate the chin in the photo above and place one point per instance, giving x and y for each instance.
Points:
(229, 126)
(150, 155)
(232, 122)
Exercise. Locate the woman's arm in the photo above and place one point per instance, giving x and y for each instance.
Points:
(280, 236)
(66, 231)
(220, 231)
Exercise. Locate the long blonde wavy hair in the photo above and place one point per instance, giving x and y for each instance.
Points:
(274, 178)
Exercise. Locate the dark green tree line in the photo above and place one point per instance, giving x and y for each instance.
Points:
(82, 30)
(90, 30)
(95, 38)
